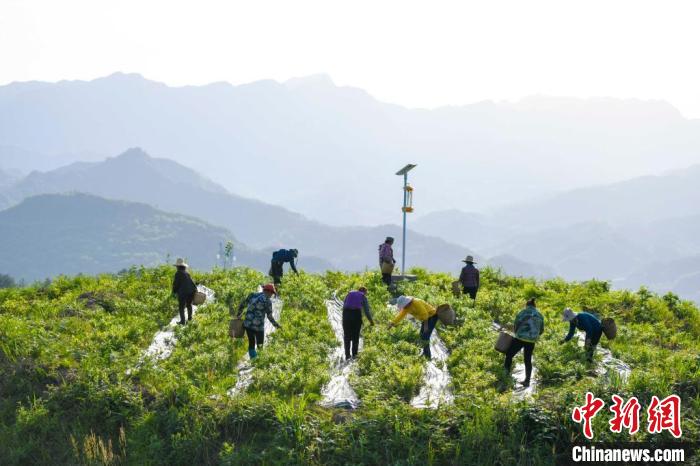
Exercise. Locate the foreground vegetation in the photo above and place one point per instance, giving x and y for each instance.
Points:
(73, 391)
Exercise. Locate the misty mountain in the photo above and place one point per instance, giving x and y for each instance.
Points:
(673, 194)
(273, 141)
(135, 176)
(519, 268)
(49, 235)
(17, 161)
(680, 276)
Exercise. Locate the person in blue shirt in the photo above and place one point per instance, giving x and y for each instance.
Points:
(586, 322)
(278, 260)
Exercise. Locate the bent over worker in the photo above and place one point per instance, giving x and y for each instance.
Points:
(421, 311)
(278, 260)
(586, 322)
(258, 306)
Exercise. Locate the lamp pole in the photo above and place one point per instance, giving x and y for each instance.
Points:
(404, 171)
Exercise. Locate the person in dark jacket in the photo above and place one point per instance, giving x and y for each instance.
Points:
(258, 307)
(529, 325)
(586, 322)
(386, 260)
(184, 288)
(355, 303)
(469, 278)
(278, 260)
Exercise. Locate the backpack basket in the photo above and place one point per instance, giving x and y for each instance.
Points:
(609, 328)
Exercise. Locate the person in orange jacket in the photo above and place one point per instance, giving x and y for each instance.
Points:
(422, 312)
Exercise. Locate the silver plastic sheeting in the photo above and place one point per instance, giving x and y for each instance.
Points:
(245, 367)
(609, 364)
(436, 389)
(164, 341)
(338, 393)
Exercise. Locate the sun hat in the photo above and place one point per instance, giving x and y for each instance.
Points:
(403, 301)
(270, 287)
(568, 315)
(362, 289)
(389, 239)
(469, 260)
(180, 262)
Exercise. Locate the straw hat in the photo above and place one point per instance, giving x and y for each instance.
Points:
(568, 315)
(469, 260)
(180, 262)
(403, 301)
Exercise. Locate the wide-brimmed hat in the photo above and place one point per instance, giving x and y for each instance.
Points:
(180, 262)
(469, 260)
(270, 287)
(568, 315)
(403, 301)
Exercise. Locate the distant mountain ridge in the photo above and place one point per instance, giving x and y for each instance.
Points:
(272, 141)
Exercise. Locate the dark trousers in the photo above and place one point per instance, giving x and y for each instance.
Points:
(352, 324)
(276, 272)
(514, 349)
(182, 303)
(386, 278)
(471, 291)
(426, 330)
(592, 341)
(255, 338)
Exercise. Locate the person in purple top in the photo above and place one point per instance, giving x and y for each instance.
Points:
(355, 303)
(386, 256)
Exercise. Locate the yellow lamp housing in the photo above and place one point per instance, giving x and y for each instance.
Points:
(408, 204)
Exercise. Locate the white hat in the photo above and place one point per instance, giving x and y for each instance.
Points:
(568, 315)
(180, 262)
(403, 301)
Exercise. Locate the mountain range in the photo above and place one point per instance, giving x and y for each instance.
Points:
(136, 177)
(330, 152)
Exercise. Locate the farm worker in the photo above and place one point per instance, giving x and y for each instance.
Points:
(421, 311)
(355, 303)
(258, 305)
(278, 260)
(529, 325)
(469, 278)
(586, 322)
(386, 259)
(184, 288)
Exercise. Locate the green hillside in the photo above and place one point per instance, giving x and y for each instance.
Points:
(48, 235)
(73, 391)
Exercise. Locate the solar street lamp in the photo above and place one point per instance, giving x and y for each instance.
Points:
(407, 207)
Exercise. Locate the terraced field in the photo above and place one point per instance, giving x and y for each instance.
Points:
(78, 386)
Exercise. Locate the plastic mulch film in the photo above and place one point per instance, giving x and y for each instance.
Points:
(437, 383)
(338, 393)
(164, 340)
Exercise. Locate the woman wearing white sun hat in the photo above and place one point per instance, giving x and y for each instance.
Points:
(421, 311)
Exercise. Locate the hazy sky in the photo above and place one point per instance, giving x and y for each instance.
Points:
(423, 54)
